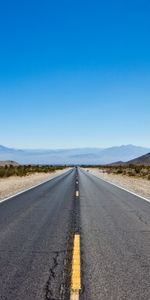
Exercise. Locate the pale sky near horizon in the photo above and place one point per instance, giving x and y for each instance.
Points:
(74, 73)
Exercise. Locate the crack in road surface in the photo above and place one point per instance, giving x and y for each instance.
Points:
(49, 289)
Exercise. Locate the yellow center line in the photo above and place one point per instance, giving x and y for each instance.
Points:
(77, 193)
(76, 269)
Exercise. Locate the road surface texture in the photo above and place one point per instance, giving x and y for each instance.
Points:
(115, 236)
(36, 241)
(35, 236)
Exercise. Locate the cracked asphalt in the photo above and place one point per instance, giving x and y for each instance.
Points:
(115, 238)
(36, 240)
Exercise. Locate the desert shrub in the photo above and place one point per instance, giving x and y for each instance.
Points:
(139, 171)
(2, 172)
(119, 171)
(25, 170)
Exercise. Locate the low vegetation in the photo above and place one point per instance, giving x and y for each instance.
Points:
(24, 170)
(130, 170)
(138, 171)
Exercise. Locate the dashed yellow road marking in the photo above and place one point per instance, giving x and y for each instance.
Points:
(77, 193)
(75, 296)
(76, 269)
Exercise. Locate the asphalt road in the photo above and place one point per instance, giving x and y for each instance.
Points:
(35, 237)
(36, 241)
(115, 235)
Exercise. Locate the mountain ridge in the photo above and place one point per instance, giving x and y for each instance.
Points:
(85, 155)
(141, 160)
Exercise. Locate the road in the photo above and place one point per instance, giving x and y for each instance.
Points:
(115, 242)
(36, 241)
(35, 234)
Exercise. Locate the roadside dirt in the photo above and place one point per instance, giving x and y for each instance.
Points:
(137, 185)
(12, 185)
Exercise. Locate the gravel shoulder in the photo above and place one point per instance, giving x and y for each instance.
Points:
(137, 185)
(14, 184)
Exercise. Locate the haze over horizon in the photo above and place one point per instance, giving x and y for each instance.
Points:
(72, 156)
(74, 74)
(72, 148)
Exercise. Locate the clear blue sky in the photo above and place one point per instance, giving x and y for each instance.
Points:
(74, 73)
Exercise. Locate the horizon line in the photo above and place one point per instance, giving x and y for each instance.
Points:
(74, 148)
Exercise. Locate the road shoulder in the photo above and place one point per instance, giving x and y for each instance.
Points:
(138, 186)
(11, 186)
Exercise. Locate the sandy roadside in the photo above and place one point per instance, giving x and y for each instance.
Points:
(137, 185)
(12, 185)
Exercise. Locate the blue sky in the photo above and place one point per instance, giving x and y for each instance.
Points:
(74, 73)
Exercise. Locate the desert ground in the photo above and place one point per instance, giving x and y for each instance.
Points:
(139, 186)
(14, 184)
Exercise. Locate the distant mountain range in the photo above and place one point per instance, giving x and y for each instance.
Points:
(73, 156)
(142, 160)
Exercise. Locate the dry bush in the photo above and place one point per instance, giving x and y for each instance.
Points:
(25, 170)
(138, 171)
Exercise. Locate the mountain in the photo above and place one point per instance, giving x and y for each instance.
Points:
(117, 163)
(4, 149)
(142, 160)
(73, 156)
